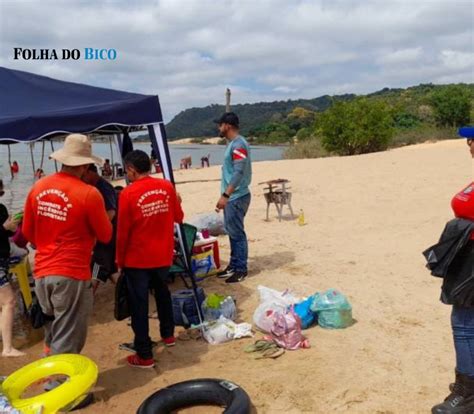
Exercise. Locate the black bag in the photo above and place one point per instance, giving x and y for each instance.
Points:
(121, 308)
(36, 316)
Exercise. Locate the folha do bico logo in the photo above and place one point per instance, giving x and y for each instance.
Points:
(87, 53)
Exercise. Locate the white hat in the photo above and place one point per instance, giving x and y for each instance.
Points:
(77, 150)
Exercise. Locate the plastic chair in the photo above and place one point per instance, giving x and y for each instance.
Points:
(21, 271)
(179, 263)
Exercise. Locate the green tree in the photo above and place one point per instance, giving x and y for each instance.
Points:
(356, 127)
(452, 106)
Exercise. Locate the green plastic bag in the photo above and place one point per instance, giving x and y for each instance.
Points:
(333, 309)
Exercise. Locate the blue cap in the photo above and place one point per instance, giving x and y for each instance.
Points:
(466, 132)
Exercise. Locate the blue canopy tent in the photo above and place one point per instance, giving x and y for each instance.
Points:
(34, 107)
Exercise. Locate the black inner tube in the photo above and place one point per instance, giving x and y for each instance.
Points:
(204, 391)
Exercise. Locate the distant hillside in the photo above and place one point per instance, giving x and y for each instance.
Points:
(197, 122)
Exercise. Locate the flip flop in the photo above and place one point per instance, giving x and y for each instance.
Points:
(259, 346)
(273, 353)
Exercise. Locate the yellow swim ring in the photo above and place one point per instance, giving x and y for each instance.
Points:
(82, 373)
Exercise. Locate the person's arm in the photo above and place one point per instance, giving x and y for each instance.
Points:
(123, 228)
(28, 225)
(110, 200)
(97, 216)
(239, 162)
(8, 225)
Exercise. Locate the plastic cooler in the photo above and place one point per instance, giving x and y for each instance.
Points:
(204, 245)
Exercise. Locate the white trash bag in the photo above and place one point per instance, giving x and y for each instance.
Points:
(224, 330)
(271, 302)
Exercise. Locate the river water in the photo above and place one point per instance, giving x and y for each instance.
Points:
(17, 189)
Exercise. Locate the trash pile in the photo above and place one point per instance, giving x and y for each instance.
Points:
(219, 313)
(282, 316)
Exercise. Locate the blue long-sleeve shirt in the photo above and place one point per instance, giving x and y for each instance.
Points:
(237, 167)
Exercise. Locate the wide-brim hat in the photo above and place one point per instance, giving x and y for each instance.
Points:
(77, 150)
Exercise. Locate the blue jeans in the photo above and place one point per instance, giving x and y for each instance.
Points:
(462, 322)
(234, 213)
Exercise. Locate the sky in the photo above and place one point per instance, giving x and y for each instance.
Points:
(189, 51)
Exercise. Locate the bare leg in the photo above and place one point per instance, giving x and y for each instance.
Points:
(7, 302)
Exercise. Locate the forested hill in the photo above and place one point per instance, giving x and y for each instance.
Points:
(198, 122)
(279, 121)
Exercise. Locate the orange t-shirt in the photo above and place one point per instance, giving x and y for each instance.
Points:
(63, 218)
(148, 209)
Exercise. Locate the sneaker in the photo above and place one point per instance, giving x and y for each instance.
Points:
(135, 361)
(236, 277)
(170, 341)
(227, 272)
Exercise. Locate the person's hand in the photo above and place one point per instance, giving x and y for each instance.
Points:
(221, 203)
(11, 224)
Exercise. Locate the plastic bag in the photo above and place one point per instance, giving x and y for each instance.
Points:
(203, 264)
(333, 309)
(271, 302)
(286, 330)
(224, 330)
(213, 222)
(225, 306)
(303, 310)
(6, 407)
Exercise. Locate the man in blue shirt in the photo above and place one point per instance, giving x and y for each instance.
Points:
(103, 257)
(235, 195)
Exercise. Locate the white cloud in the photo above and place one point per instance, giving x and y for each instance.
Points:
(189, 51)
(400, 56)
(456, 60)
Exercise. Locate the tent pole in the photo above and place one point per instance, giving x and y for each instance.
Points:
(160, 145)
(112, 157)
(52, 150)
(32, 157)
(10, 160)
(42, 155)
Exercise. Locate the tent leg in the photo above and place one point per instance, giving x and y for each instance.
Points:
(52, 150)
(160, 145)
(32, 157)
(10, 160)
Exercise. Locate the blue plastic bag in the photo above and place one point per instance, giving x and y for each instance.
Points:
(333, 309)
(303, 310)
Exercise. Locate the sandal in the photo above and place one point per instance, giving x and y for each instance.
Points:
(259, 346)
(273, 353)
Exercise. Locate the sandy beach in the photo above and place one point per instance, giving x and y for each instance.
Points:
(368, 219)
(213, 140)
